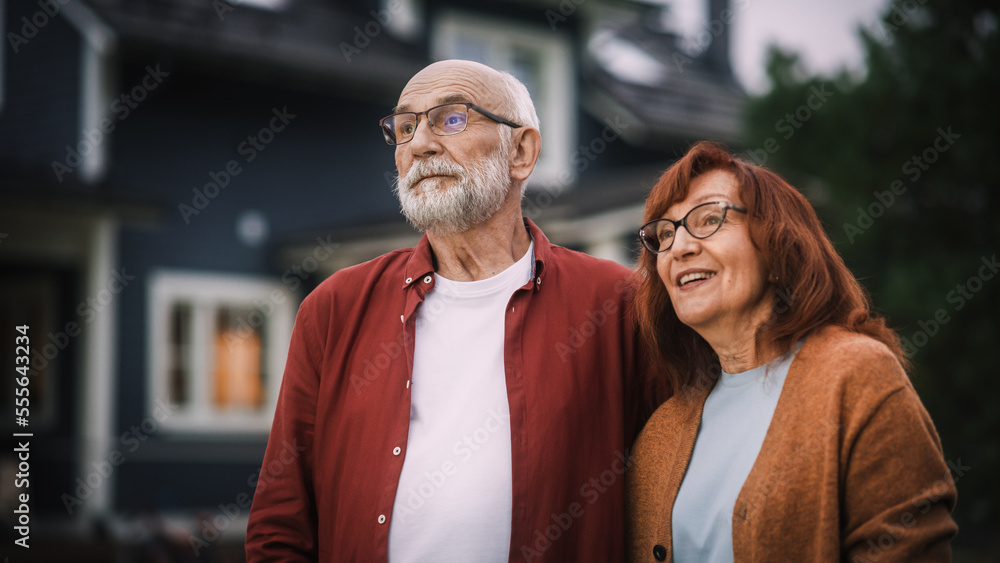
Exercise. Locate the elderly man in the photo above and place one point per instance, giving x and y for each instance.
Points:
(469, 399)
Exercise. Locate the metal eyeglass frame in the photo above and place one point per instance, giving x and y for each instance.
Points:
(426, 114)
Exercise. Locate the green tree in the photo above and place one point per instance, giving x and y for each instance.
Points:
(903, 166)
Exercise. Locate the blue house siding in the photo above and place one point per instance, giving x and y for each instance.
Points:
(325, 173)
(41, 85)
(326, 167)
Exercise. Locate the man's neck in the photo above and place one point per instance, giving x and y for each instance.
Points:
(483, 251)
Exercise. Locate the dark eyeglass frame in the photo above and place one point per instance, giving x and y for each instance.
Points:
(390, 137)
(647, 242)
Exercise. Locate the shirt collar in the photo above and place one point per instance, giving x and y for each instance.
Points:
(421, 261)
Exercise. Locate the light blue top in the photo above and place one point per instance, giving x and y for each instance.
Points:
(737, 414)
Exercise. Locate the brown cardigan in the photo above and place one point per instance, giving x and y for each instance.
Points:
(851, 468)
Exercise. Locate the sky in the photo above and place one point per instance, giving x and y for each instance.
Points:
(824, 32)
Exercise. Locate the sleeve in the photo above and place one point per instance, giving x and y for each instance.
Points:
(283, 523)
(898, 491)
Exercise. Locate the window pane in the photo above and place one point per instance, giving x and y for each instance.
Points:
(238, 378)
(526, 66)
(470, 47)
(179, 369)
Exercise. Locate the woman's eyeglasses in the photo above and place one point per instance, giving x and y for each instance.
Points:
(702, 222)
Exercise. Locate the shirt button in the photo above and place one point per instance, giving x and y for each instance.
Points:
(396, 450)
(381, 520)
(660, 552)
(428, 279)
(408, 280)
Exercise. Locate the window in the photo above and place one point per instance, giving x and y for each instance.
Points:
(217, 347)
(539, 58)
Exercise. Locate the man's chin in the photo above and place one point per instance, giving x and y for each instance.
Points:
(430, 184)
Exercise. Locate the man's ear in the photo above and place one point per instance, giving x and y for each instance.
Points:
(526, 144)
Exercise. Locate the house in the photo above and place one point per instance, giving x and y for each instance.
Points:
(176, 175)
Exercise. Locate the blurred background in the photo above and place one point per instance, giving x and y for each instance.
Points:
(176, 175)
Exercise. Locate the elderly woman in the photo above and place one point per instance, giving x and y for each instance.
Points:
(793, 433)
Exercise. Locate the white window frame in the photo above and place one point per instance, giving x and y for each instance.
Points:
(206, 293)
(555, 104)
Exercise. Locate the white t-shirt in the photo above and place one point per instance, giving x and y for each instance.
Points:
(734, 422)
(454, 498)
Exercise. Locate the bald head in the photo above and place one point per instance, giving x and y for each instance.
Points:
(442, 74)
(468, 81)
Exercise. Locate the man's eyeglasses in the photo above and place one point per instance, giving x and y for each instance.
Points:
(702, 222)
(447, 119)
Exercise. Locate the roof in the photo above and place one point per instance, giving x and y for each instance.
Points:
(639, 71)
(330, 44)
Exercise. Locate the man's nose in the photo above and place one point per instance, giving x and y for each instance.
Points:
(424, 141)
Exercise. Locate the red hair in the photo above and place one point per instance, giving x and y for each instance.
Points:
(814, 288)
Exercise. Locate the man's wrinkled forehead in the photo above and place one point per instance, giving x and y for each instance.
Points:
(451, 98)
(448, 82)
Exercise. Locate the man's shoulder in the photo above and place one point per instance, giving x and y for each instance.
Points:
(388, 263)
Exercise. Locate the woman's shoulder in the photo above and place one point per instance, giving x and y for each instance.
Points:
(835, 339)
(834, 359)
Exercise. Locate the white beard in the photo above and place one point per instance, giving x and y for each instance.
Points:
(474, 196)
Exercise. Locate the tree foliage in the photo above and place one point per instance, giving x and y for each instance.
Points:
(902, 165)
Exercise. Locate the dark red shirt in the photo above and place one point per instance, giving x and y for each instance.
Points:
(336, 448)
